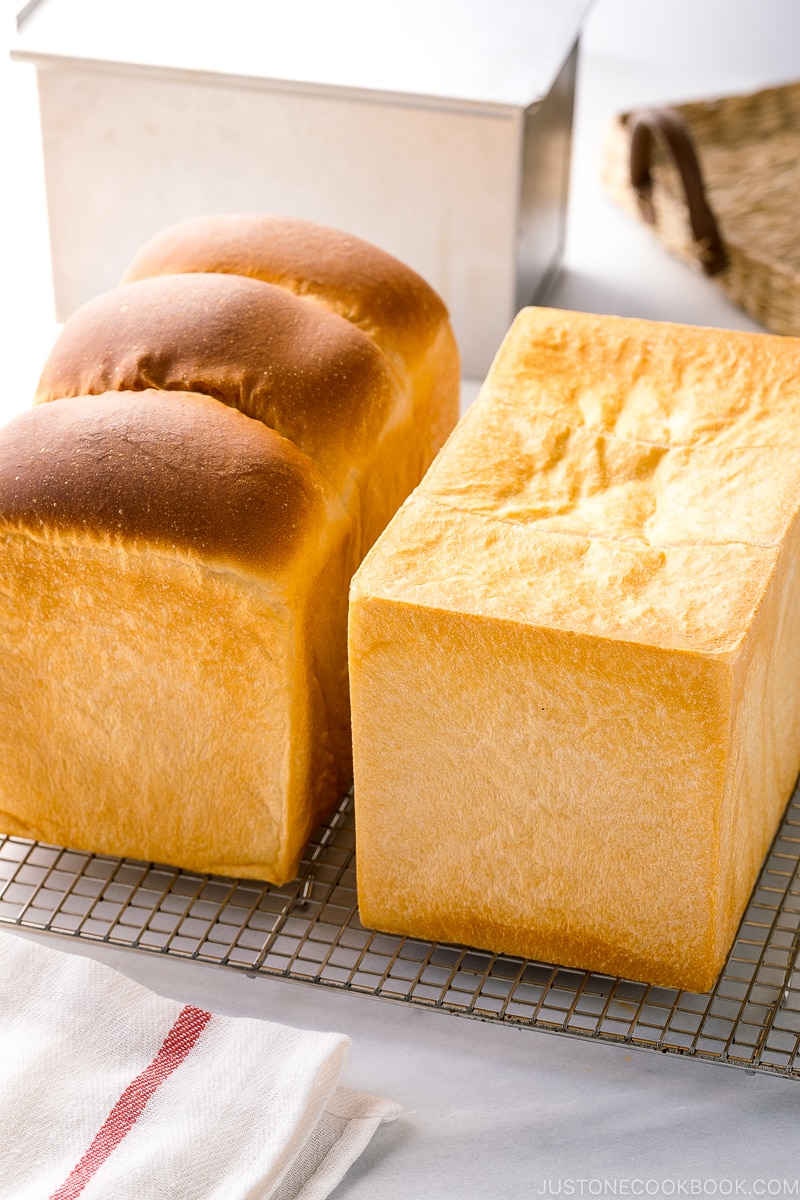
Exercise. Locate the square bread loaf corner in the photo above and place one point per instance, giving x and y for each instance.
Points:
(575, 653)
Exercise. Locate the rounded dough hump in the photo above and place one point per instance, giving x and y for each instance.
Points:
(360, 282)
(297, 368)
(175, 469)
(371, 289)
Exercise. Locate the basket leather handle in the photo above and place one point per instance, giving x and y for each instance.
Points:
(670, 128)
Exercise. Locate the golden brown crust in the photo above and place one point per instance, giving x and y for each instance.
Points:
(294, 366)
(604, 556)
(366, 285)
(178, 470)
(181, 570)
(361, 283)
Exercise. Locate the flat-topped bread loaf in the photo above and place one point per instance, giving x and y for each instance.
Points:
(574, 653)
(209, 457)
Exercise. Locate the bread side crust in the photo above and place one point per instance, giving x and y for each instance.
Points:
(147, 757)
(522, 830)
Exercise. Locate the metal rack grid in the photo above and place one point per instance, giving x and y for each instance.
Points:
(309, 930)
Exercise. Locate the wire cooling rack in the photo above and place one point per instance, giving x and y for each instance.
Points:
(309, 930)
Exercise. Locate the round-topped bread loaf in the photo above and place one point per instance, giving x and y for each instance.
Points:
(214, 446)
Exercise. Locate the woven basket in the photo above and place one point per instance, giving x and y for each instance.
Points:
(719, 182)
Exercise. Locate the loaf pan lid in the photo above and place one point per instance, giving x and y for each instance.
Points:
(436, 53)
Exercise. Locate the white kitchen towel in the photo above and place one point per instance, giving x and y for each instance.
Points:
(108, 1090)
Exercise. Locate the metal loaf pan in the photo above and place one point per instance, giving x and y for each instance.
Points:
(437, 129)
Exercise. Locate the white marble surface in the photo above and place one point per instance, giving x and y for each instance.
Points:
(492, 1112)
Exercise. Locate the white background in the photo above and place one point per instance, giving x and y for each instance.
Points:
(492, 1112)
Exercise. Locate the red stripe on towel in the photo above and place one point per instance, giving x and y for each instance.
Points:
(131, 1104)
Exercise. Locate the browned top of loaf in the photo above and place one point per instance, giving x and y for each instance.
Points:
(178, 470)
(367, 286)
(300, 369)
